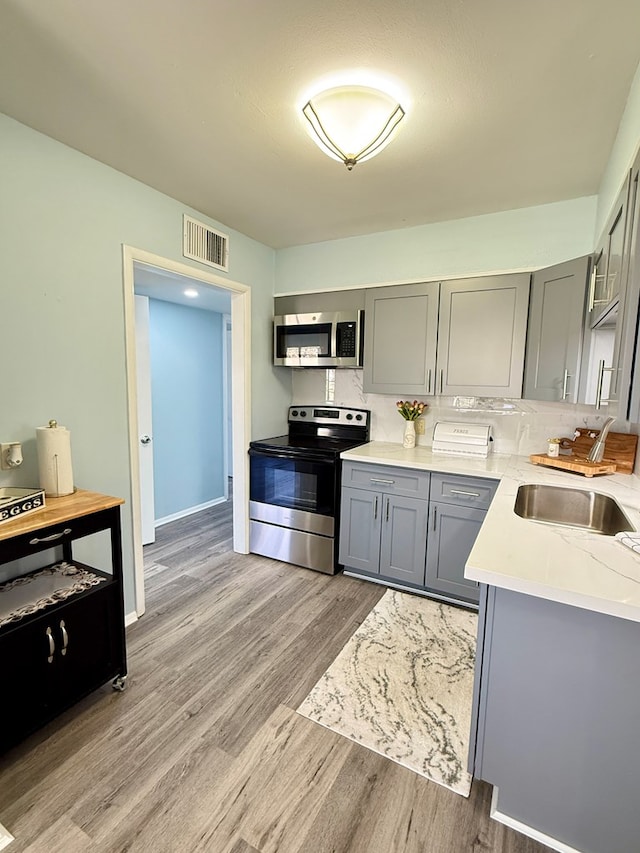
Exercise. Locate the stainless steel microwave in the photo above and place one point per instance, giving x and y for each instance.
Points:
(319, 340)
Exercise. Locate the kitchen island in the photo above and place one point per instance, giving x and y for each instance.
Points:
(557, 690)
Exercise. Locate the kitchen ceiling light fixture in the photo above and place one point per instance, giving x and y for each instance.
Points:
(191, 292)
(353, 123)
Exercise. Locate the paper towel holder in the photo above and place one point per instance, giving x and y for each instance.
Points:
(54, 460)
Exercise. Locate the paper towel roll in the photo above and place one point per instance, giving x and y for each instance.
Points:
(54, 460)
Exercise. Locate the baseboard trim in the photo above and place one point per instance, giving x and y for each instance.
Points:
(529, 831)
(5, 837)
(130, 618)
(192, 510)
(425, 593)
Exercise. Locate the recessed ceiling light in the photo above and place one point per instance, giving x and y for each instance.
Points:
(191, 292)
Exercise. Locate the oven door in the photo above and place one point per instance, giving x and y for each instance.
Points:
(293, 491)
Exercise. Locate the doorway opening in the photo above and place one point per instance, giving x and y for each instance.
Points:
(144, 272)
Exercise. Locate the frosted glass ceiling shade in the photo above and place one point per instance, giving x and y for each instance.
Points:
(353, 123)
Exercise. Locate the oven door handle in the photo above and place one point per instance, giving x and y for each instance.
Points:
(273, 454)
(283, 454)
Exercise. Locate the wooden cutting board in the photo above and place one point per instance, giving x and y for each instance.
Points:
(570, 463)
(620, 447)
(619, 454)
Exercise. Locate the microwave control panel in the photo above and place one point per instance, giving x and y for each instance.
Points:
(345, 340)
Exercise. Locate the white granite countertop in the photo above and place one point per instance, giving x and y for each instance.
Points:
(550, 561)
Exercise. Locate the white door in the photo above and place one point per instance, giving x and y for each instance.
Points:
(145, 429)
(229, 418)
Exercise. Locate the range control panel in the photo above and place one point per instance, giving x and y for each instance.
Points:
(335, 415)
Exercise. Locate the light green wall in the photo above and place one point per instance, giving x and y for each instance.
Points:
(63, 220)
(622, 155)
(514, 240)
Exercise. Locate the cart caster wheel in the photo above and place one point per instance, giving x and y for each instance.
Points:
(119, 683)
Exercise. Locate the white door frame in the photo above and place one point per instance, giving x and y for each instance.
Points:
(240, 397)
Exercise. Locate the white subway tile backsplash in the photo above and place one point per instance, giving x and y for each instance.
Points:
(519, 426)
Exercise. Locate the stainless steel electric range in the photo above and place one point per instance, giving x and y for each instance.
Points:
(294, 505)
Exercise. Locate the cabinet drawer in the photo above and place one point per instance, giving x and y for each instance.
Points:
(386, 478)
(462, 491)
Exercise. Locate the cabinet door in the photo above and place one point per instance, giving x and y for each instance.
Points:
(554, 333)
(453, 532)
(606, 281)
(359, 546)
(559, 710)
(628, 382)
(605, 347)
(87, 644)
(404, 539)
(401, 327)
(481, 335)
(27, 673)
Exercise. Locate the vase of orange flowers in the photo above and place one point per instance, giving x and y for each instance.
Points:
(410, 412)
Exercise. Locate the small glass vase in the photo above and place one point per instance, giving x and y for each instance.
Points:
(409, 438)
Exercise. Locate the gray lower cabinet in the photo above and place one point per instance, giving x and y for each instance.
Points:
(558, 690)
(412, 527)
(384, 534)
(383, 521)
(457, 508)
(453, 531)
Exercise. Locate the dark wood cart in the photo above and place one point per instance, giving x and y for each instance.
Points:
(57, 649)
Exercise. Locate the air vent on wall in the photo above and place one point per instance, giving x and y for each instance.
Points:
(204, 244)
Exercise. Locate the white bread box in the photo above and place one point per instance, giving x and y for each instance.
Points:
(462, 439)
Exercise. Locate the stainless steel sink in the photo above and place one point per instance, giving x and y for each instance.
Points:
(572, 508)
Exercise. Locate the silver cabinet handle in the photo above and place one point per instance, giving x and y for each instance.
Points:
(145, 439)
(435, 516)
(384, 482)
(429, 382)
(51, 538)
(466, 494)
(599, 386)
(601, 372)
(375, 509)
(52, 645)
(441, 380)
(592, 287)
(65, 638)
(565, 384)
(387, 514)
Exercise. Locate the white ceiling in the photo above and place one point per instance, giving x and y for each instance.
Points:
(512, 103)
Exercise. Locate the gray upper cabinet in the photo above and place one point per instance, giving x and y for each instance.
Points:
(629, 381)
(481, 335)
(554, 335)
(602, 381)
(464, 336)
(400, 333)
(607, 277)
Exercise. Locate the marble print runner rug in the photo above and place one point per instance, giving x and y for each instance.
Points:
(402, 686)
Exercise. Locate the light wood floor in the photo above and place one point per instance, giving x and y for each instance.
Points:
(204, 750)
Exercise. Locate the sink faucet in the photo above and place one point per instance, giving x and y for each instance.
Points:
(597, 451)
